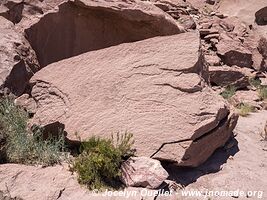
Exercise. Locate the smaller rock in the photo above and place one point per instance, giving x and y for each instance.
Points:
(162, 6)
(214, 41)
(258, 60)
(204, 32)
(212, 36)
(224, 75)
(262, 47)
(220, 15)
(226, 25)
(205, 25)
(233, 53)
(143, 172)
(187, 22)
(249, 97)
(213, 60)
(27, 103)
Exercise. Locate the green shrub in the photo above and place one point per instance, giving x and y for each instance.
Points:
(22, 146)
(98, 165)
(124, 143)
(244, 109)
(255, 82)
(228, 92)
(3, 138)
(263, 92)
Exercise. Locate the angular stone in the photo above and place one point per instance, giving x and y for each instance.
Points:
(27, 103)
(143, 172)
(224, 75)
(204, 32)
(233, 53)
(212, 36)
(213, 60)
(249, 97)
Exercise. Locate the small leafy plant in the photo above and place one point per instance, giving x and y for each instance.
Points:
(262, 89)
(245, 109)
(255, 82)
(263, 92)
(3, 138)
(228, 92)
(23, 146)
(98, 165)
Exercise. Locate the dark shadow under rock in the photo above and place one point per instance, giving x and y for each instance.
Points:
(261, 16)
(186, 176)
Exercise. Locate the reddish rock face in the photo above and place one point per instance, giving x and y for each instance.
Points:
(17, 60)
(82, 25)
(234, 53)
(152, 88)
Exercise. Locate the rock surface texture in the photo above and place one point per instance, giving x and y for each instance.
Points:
(143, 172)
(154, 89)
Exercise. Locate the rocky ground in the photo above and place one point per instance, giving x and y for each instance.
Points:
(174, 73)
(240, 165)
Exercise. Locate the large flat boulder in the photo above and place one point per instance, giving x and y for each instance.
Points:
(79, 26)
(153, 88)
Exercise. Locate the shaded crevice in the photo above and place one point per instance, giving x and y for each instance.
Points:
(188, 90)
(14, 12)
(18, 78)
(261, 16)
(75, 29)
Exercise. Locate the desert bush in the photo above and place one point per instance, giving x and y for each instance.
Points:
(263, 92)
(25, 147)
(262, 89)
(255, 82)
(3, 138)
(98, 165)
(244, 109)
(228, 92)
